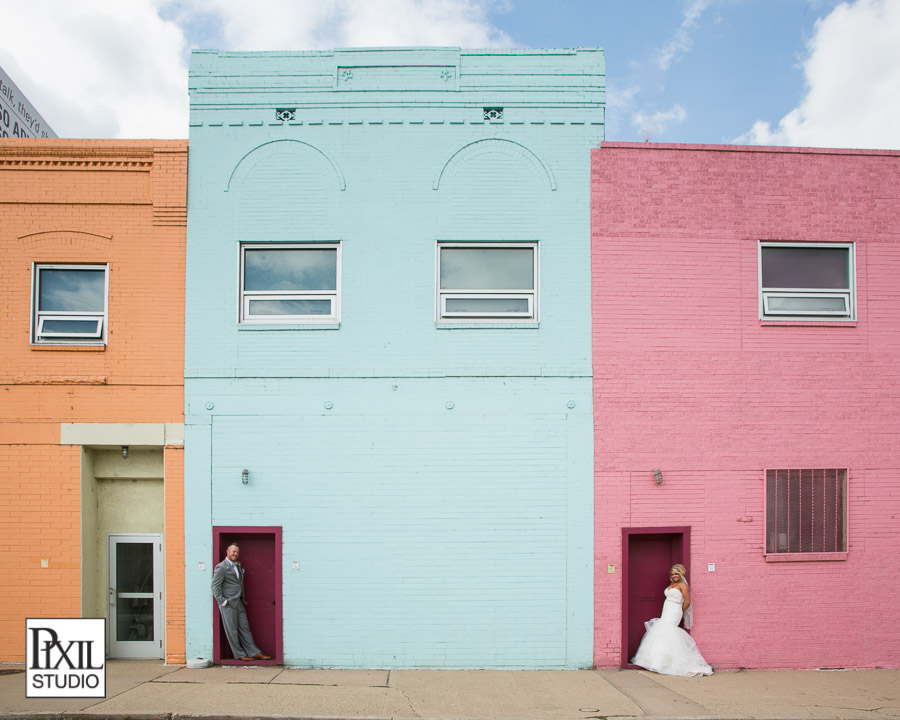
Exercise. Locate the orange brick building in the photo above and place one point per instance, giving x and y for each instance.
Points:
(92, 248)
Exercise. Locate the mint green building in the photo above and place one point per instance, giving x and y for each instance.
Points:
(388, 353)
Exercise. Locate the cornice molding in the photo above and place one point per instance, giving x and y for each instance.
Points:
(21, 163)
(20, 156)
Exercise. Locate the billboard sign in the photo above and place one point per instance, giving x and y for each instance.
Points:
(18, 118)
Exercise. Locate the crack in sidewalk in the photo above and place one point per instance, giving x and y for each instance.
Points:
(406, 697)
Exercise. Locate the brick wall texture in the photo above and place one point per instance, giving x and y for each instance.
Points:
(432, 480)
(688, 379)
(84, 201)
(174, 538)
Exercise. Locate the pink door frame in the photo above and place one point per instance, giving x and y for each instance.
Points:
(227, 533)
(627, 534)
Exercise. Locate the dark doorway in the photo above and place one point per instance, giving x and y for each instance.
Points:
(261, 561)
(648, 553)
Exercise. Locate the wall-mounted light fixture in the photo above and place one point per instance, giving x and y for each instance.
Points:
(657, 475)
(124, 452)
(245, 476)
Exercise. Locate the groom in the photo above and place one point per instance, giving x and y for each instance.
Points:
(228, 590)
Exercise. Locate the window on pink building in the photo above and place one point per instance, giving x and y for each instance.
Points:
(806, 511)
(810, 281)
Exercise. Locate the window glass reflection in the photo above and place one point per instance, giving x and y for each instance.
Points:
(487, 305)
(71, 327)
(71, 290)
(134, 619)
(290, 270)
(290, 307)
(134, 567)
(487, 268)
(807, 304)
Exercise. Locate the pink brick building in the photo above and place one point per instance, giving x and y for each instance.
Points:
(746, 344)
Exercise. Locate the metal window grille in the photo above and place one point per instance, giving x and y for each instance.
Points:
(806, 511)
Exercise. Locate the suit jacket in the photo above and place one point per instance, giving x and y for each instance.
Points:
(225, 586)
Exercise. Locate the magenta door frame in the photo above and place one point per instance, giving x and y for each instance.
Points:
(627, 533)
(220, 533)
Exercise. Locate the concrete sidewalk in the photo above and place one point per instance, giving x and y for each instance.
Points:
(151, 689)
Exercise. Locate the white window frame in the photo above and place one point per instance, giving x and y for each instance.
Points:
(442, 315)
(39, 336)
(847, 296)
(245, 317)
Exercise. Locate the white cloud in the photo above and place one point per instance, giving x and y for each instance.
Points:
(683, 40)
(96, 68)
(405, 22)
(653, 125)
(621, 101)
(292, 25)
(853, 83)
(621, 97)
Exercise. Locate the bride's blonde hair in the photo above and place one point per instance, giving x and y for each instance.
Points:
(681, 570)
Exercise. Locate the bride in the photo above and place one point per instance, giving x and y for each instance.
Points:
(666, 648)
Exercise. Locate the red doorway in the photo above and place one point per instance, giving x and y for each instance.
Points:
(261, 560)
(647, 555)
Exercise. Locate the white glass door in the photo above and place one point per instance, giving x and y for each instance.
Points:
(134, 596)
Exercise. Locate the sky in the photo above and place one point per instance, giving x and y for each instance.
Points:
(812, 73)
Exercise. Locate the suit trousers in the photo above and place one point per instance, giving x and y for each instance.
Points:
(237, 629)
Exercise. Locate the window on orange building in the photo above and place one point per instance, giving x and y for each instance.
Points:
(69, 304)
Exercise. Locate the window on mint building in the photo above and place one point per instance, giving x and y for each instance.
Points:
(290, 284)
(809, 281)
(487, 282)
(806, 511)
(69, 304)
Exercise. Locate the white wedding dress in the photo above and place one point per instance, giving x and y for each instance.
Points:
(668, 649)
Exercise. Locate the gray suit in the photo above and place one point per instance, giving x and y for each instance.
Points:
(228, 590)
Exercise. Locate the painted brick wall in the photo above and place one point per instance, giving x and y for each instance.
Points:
(47, 475)
(689, 380)
(420, 542)
(174, 502)
(83, 201)
(433, 515)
